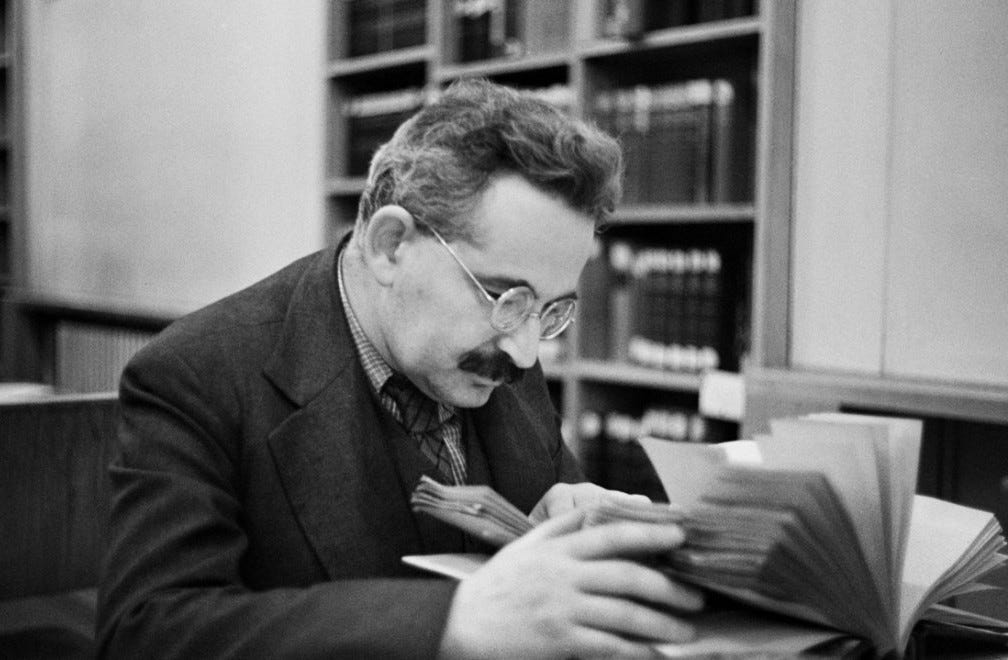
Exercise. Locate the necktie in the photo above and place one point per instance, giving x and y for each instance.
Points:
(419, 416)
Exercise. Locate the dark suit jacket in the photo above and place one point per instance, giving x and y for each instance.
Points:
(261, 494)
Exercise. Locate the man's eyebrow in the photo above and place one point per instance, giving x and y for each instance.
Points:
(501, 283)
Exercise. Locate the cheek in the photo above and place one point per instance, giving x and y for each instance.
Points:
(435, 326)
(441, 308)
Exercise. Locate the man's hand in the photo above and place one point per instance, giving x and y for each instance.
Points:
(562, 498)
(561, 591)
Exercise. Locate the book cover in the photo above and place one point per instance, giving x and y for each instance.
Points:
(816, 522)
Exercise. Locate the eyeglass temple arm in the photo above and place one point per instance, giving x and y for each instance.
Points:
(486, 294)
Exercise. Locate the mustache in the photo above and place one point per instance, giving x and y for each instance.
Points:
(491, 364)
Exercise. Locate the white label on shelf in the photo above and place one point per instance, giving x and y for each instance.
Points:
(722, 395)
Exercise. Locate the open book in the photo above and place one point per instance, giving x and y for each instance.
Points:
(817, 521)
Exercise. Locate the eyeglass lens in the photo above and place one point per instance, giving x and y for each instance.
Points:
(513, 307)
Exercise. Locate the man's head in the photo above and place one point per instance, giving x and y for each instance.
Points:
(483, 191)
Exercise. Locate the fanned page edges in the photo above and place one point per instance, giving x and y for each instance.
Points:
(478, 510)
(756, 536)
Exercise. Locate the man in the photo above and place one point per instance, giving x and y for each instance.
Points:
(270, 442)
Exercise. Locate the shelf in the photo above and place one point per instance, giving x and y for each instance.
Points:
(621, 373)
(690, 35)
(663, 214)
(381, 62)
(343, 186)
(501, 66)
(826, 390)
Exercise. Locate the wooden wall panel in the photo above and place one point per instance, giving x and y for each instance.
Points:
(840, 185)
(947, 286)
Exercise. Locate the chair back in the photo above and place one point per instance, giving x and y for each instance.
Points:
(54, 492)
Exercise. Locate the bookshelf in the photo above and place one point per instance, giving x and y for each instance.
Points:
(10, 154)
(702, 79)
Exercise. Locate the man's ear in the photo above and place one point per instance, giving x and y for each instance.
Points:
(389, 229)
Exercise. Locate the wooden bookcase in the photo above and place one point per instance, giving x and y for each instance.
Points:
(570, 50)
(9, 141)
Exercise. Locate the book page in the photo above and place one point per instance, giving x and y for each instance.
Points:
(898, 458)
(687, 470)
(845, 453)
(455, 566)
(941, 535)
(746, 633)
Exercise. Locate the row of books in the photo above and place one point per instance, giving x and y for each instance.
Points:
(372, 118)
(683, 142)
(630, 19)
(377, 26)
(668, 308)
(510, 28)
(611, 455)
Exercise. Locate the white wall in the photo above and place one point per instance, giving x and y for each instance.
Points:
(174, 148)
(900, 253)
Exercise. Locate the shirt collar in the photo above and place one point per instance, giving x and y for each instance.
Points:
(377, 369)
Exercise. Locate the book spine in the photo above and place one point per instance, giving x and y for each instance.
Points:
(473, 18)
(546, 26)
(363, 27)
(592, 445)
(624, 107)
(710, 10)
(691, 308)
(620, 300)
(593, 293)
(409, 23)
(710, 313)
(668, 14)
(371, 121)
(624, 19)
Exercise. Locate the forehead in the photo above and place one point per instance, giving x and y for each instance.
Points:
(525, 233)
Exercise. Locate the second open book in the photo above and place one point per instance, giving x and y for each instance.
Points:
(817, 520)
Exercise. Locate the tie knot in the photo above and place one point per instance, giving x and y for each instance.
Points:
(418, 412)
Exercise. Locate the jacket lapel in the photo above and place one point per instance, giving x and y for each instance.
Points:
(515, 443)
(344, 476)
(338, 474)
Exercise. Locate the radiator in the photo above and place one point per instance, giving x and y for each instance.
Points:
(90, 357)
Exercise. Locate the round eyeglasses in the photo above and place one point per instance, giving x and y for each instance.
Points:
(513, 307)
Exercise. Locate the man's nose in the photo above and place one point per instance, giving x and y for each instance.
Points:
(522, 343)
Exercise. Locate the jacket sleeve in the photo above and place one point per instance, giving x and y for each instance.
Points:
(172, 584)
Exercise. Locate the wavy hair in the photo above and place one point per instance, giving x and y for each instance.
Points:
(440, 161)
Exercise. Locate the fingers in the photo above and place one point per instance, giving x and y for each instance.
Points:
(565, 523)
(563, 497)
(629, 619)
(589, 643)
(627, 579)
(620, 539)
(632, 497)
